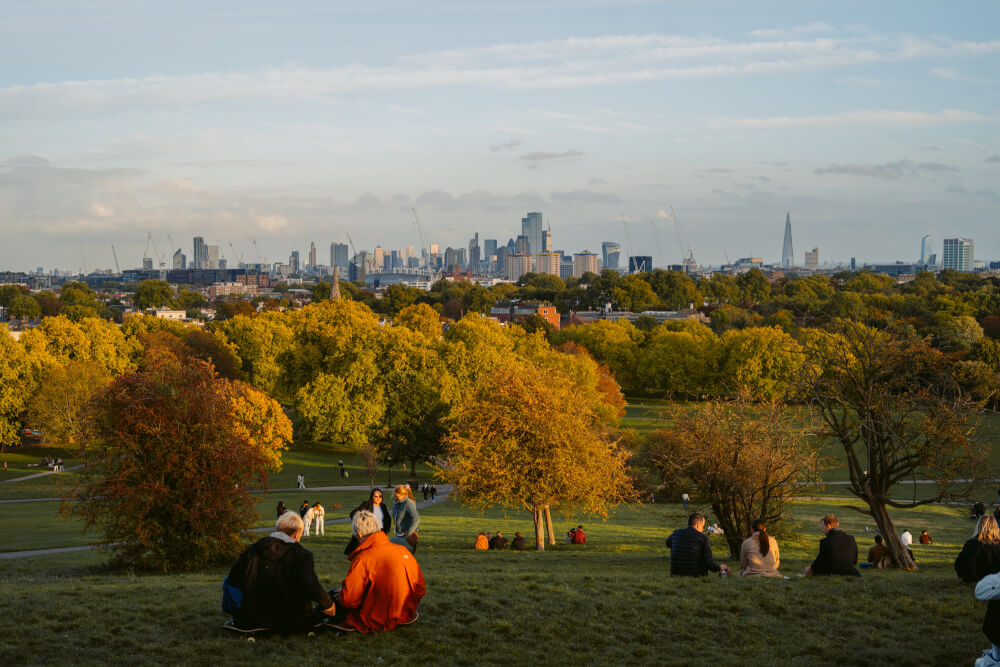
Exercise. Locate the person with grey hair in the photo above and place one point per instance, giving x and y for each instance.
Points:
(383, 585)
(278, 578)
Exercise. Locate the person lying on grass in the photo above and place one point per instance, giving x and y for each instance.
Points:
(278, 579)
(384, 584)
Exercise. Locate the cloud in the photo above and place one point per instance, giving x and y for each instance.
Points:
(956, 189)
(479, 200)
(855, 118)
(720, 170)
(989, 194)
(950, 74)
(890, 170)
(584, 197)
(573, 62)
(931, 148)
(541, 156)
(992, 158)
(811, 28)
(271, 223)
(513, 143)
(367, 202)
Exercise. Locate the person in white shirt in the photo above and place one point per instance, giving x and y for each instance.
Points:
(308, 519)
(906, 538)
(319, 515)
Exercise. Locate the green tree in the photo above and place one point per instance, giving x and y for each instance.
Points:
(679, 362)
(23, 306)
(48, 302)
(397, 297)
(152, 294)
(754, 287)
(764, 361)
(167, 481)
(321, 291)
(62, 405)
(615, 344)
(260, 342)
(675, 289)
(191, 300)
(525, 439)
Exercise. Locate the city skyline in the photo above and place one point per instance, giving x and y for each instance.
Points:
(289, 125)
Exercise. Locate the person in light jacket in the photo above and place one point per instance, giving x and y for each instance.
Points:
(759, 553)
(406, 518)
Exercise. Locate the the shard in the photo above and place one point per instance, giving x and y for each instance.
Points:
(787, 254)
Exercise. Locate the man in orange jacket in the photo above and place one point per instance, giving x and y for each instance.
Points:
(384, 584)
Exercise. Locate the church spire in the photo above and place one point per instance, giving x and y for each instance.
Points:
(335, 289)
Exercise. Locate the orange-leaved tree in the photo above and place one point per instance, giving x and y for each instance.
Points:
(168, 477)
(528, 438)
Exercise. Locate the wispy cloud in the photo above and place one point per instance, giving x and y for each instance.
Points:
(542, 156)
(954, 75)
(810, 28)
(852, 118)
(892, 170)
(992, 158)
(513, 143)
(585, 197)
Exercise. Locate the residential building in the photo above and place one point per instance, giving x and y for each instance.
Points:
(584, 262)
(200, 256)
(548, 262)
(212, 256)
(812, 259)
(517, 265)
(180, 260)
(958, 255)
(506, 311)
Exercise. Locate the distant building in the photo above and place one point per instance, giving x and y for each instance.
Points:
(548, 262)
(531, 229)
(640, 264)
(338, 256)
(546, 241)
(506, 312)
(522, 246)
(517, 265)
(179, 259)
(812, 259)
(490, 255)
(312, 256)
(787, 254)
(958, 255)
(200, 256)
(230, 289)
(584, 262)
(474, 254)
(611, 252)
(294, 263)
(925, 249)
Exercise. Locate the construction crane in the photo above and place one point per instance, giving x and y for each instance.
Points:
(262, 260)
(118, 269)
(159, 255)
(239, 256)
(656, 237)
(83, 263)
(628, 237)
(680, 244)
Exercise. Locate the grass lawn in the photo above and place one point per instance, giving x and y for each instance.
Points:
(612, 599)
(318, 464)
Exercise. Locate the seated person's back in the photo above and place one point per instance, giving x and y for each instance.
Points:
(690, 551)
(482, 543)
(384, 584)
(518, 543)
(879, 555)
(838, 552)
(278, 579)
(499, 542)
(579, 537)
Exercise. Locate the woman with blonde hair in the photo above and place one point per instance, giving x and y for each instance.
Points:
(406, 518)
(980, 554)
(759, 553)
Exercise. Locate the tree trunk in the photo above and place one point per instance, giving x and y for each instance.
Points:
(539, 528)
(899, 552)
(548, 521)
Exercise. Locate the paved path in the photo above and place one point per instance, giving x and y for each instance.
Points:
(443, 493)
(44, 473)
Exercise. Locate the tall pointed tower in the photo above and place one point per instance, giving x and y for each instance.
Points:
(787, 254)
(335, 289)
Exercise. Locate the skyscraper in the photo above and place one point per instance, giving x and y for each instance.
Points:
(474, 258)
(546, 241)
(522, 246)
(531, 228)
(925, 249)
(212, 255)
(200, 256)
(787, 254)
(312, 256)
(584, 262)
(180, 260)
(293, 262)
(611, 252)
(812, 259)
(338, 256)
(489, 252)
(958, 255)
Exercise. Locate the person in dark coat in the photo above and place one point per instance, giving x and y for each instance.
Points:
(303, 508)
(977, 560)
(281, 509)
(838, 552)
(376, 505)
(517, 544)
(278, 578)
(499, 542)
(690, 551)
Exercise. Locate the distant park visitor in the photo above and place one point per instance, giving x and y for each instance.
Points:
(690, 551)
(319, 516)
(281, 508)
(838, 552)
(499, 542)
(517, 544)
(482, 543)
(301, 479)
(579, 537)
(759, 553)
(925, 538)
(384, 584)
(879, 555)
(278, 579)
(685, 499)
(406, 518)
(303, 508)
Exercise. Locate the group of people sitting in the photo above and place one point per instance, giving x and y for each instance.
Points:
(691, 552)
(274, 585)
(576, 536)
(488, 541)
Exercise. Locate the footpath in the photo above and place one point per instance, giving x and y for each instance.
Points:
(443, 492)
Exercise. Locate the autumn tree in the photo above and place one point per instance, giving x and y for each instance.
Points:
(62, 405)
(167, 481)
(525, 439)
(745, 459)
(17, 383)
(894, 405)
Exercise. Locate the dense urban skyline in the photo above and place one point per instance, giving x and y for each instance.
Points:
(300, 124)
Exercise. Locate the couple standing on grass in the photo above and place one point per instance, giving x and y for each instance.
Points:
(404, 515)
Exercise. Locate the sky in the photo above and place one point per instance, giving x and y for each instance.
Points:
(665, 126)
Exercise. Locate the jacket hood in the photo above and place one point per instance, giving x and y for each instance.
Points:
(371, 542)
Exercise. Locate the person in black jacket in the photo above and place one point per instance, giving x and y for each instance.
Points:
(376, 506)
(690, 552)
(980, 556)
(278, 579)
(499, 542)
(838, 552)
(518, 543)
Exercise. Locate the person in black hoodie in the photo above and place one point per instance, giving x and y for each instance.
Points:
(376, 506)
(985, 538)
(838, 552)
(278, 578)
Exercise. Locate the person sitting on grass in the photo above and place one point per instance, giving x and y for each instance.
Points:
(690, 551)
(759, 553)
(499, 542)
(838, 552)
(518, 543)
(925, 538)
(482, 544)
(277, 576)
(986, 538)
(569, 535)
(384, 584)
(879, 555)
(579, 537)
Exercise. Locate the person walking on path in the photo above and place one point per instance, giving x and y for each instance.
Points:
(406, 518)
(302, 481)
(434, 493)
(685, 498)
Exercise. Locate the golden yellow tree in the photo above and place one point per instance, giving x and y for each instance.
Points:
(527, 438)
